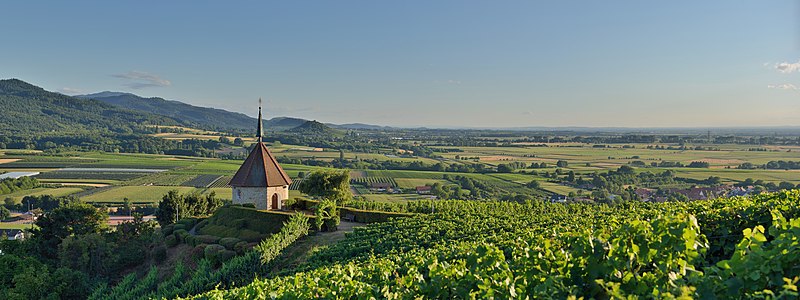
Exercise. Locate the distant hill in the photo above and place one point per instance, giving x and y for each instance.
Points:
(27, 108)
(196, 116)
(314, 127)
(202, 117)
(360, 126)
(283, 123)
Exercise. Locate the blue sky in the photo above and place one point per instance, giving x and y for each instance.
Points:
(426, 63)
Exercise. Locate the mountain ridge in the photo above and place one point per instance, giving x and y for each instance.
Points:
(31, 109)
(205, 117)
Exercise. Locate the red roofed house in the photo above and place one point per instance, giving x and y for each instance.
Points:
(423, 189)
(260, 180)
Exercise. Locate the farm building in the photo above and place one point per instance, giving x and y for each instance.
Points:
(424, 189)
(380, 186)
(260, 180)
(13, 234)
(558, 199)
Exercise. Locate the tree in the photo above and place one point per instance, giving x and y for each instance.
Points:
(174, 206)
(169, 208)
(328, 184)
(504, 168)
(127, 205)
(625, 170)
(238, 142)
(534, 184)
(439, 191)
(89, 253)
(713, 180)
(562, 163)
(571, 176)
(4, 213)
(456, 192)
(785, 185)
(62, 222)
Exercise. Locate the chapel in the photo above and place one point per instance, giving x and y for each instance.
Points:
(260, 180)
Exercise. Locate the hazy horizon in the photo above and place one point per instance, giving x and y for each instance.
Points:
(446, 64)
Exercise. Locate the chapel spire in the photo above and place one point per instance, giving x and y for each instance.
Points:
(260, 129)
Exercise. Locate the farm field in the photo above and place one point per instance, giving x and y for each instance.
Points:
(5, 225)
(729, 155)
(195, 174)
(732, 175)
(557, 188)
(76, 181)
(137, 194)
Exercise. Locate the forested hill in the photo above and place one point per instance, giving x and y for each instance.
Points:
(195, 116)
(28, 109)
(314, 127)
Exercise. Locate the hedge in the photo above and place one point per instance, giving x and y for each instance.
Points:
(360, 216)
(370, 216)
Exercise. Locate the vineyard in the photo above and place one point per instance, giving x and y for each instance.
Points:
(722, 248)
(202, 181)
(222, 182)
(295, 186)
(91, 175)
(160, 179)
(92, 191)
(367, 181)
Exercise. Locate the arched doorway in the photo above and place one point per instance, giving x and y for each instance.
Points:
(274, 201)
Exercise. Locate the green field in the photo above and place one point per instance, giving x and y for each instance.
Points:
(137, 194)
(583, 159)
(557, 188)
(4, 225)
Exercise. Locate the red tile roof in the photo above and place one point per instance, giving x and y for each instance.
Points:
(260, 169)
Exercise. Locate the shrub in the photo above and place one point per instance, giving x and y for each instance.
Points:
(289, 203)
(229, 243)
(188, 223)
(167, 230)
(368, 216)
(191, 240)
(208, 239)
(201, 224)
(240, 247)
(212, 252)
(225, 255)
(198, 252)
(160, 253)
(181, 234)
(171, 241)
(179, 226)
(239, 223)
